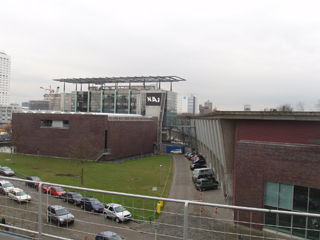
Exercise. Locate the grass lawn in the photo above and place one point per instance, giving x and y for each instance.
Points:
(137, 176)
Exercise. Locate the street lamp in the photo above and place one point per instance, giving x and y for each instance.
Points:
(160, 174)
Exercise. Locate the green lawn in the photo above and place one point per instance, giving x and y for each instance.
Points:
(137, 176)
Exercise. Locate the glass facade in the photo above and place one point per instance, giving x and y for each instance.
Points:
(122, 101)
(108, 101)
(170, 112)
(95, 101)
(134, 102)
(279, 196)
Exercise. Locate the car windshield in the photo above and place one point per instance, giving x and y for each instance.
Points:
(59, 189)
(95, 201)
(6, 169)
(76, 195)
(21, 193)
(120, 209)
(7, 185)
(45, 185)
(62, 211)
(35, 179)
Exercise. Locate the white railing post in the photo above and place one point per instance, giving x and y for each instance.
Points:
(39, 211)
(185, 222)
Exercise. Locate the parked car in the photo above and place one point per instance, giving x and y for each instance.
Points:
(44, 187)
(32, 178)
(5, 186)
(176, 151)
(19, 195)
(205, 184)
(91, 204)
(6, 171)
(116, 212)
(194, 157)
(60, 215)
(195, 166)
(55, 191)
(72, 197)
(108, 235)
(199, 160)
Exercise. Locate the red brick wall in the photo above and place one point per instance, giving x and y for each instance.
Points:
(259, 160)
(278, 131)
(125, 138)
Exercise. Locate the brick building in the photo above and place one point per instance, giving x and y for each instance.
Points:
(265, 160)
(54, 134)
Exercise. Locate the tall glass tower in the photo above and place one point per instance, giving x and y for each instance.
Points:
(5, 68)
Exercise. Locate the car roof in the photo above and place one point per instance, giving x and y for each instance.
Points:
(4, 181)
(107, 234)
(57, 206)
(17, 189)
(113, 204)
(33, 177)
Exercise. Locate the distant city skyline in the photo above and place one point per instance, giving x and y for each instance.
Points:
(262, 53)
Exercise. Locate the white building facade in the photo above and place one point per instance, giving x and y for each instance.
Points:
(187, 103)
(5, 69)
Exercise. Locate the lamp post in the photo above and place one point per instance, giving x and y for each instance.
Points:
(160, 175)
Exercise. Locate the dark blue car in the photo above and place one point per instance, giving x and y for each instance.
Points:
(91, 204)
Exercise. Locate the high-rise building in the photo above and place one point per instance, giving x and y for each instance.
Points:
(5, 68)
(187, 103)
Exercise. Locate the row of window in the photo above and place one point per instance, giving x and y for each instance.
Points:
(55, 123)
(286, 197)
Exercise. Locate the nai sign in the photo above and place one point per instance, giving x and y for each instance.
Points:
(153, 99)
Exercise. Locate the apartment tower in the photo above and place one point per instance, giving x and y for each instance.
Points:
(5, 68)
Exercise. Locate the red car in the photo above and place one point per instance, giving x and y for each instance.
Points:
(56, 191)
(44, 187)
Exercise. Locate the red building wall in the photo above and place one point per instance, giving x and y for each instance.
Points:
(124, 138)
(275, 151)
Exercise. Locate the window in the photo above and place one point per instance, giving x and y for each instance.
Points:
(46, 123)
(279, 196)
(55, 123)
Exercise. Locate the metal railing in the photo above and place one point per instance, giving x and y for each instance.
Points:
(175, 219)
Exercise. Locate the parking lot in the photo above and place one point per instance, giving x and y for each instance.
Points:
(87, 224)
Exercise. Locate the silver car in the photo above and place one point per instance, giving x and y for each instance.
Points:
(5, 186)
(6, 171)
(116, 212)
(60, 215)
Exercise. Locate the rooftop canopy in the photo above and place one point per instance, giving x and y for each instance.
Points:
(103, 80)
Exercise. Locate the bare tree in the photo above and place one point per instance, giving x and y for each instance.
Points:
(82, 151)
(14, 135)
(285, 108)
(300, 105)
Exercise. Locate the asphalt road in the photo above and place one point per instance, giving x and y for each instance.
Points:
(87, 224)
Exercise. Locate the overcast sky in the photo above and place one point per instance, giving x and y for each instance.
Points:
(262, 53)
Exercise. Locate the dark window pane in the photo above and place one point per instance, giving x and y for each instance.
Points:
(314, 200)
(299, 226)
(313, 228)
(300, 198)
(270, 219)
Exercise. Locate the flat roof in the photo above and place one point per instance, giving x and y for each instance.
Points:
(103, 80)
(261, 115)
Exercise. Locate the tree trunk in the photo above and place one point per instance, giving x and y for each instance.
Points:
(11, 154)
(82, 174)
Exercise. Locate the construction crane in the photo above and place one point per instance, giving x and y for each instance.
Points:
(50, 91)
